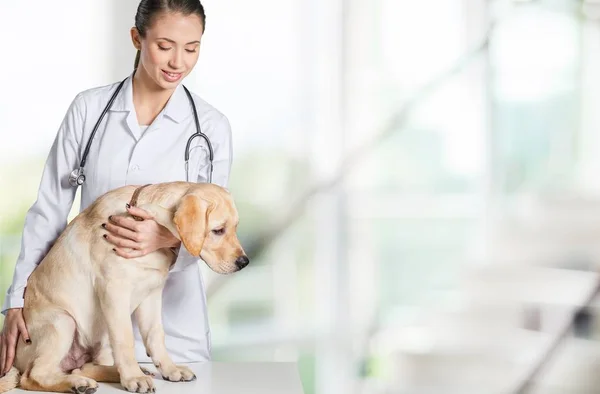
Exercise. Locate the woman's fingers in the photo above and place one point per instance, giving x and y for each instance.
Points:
(139, 212)
(123, 232)
(129, 254)
(122, 242)
(2, 354)
(11, 345)
(23, 331)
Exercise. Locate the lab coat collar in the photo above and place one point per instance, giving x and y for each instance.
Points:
(178, 107)
(124, 100)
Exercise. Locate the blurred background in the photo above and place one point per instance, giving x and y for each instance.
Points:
(418, 180)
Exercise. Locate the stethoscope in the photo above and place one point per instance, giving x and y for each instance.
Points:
(77, 177)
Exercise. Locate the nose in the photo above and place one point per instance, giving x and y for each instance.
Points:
(176, 60)
(242, 261)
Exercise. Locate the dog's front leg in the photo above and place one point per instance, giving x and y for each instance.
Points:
(149, 319)
(114, 301)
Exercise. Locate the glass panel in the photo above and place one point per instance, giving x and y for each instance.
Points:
(536, 90)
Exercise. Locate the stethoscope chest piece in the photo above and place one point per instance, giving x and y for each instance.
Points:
(77, 178)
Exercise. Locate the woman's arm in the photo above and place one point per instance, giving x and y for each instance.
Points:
(47, 217)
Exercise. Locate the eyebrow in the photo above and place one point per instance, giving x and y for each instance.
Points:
(173, 42)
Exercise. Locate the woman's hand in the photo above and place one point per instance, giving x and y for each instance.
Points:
(142, 237)
(14, 326)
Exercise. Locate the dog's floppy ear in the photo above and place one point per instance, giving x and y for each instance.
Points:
(191, 221)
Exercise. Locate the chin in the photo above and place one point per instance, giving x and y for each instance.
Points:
(165, 84)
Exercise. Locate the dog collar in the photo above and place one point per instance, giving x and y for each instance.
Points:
(134, 199)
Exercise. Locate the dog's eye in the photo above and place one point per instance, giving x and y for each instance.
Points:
(219, 231)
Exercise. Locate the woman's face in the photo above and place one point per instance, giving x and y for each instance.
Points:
(170, 49)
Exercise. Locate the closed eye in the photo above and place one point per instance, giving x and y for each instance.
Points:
(219, 231)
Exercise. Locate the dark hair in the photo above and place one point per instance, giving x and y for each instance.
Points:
(148, 9)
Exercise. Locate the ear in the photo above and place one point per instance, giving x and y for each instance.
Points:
(191, 221)
(135, 38)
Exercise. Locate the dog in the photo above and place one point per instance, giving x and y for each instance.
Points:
(79, 299)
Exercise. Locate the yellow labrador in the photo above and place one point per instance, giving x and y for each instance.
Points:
(79, 300)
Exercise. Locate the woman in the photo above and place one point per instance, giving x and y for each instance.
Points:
(142, 139)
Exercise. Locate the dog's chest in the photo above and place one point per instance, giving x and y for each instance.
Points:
(145, 284)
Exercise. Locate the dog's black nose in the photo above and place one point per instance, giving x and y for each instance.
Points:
(242, 261)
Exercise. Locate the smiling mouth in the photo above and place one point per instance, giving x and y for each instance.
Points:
(170, 76)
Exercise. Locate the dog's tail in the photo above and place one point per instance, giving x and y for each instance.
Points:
(10, 380)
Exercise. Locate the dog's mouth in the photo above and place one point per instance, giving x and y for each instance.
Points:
(219, 269)
(225, 266)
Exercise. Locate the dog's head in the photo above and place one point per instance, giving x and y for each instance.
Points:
(206, 220)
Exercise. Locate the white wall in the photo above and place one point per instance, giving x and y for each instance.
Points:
(47, 58)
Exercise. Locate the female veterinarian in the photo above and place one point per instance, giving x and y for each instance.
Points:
(144, 125)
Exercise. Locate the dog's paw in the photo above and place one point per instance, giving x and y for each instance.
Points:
(139, 384)
(147, 371)
(178, 373)
(83, 385)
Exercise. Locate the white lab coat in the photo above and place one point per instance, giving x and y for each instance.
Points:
(121, 155)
